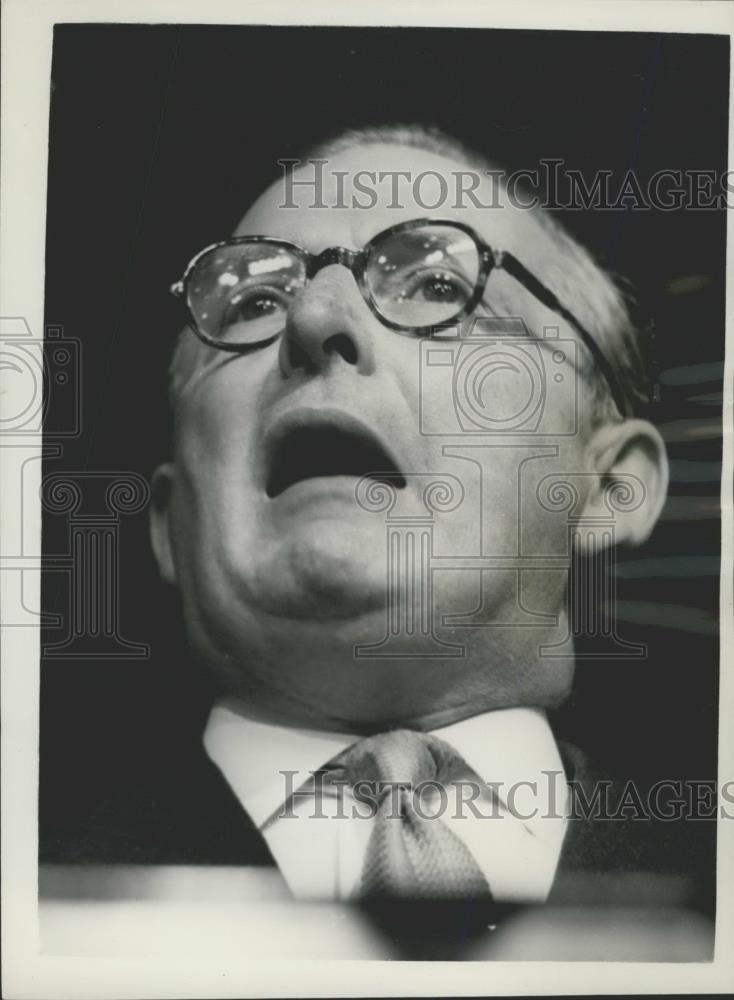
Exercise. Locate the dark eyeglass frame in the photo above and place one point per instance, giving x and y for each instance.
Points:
(356, 262)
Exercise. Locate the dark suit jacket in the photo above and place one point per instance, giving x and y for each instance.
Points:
(182, 811)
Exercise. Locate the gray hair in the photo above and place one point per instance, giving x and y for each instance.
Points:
(596, 297)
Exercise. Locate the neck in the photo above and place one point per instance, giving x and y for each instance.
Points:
(327, 688)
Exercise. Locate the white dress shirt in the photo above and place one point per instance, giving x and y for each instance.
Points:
(319, 848)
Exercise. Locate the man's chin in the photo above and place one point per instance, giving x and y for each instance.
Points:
(320, 575)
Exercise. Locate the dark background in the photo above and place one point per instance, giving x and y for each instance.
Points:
(159, 138)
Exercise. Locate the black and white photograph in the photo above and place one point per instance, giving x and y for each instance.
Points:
(367, 485)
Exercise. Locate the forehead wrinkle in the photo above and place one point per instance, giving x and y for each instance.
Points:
(317, 229)
(505, 227)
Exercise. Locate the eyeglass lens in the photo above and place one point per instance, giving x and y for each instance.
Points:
(239, 293)
(422, 277)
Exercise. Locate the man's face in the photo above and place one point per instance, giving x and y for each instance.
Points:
(278, 568)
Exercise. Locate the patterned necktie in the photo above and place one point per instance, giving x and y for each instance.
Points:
(410, 855)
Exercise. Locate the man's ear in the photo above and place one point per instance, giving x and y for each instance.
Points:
(629, 467)
(160, 536)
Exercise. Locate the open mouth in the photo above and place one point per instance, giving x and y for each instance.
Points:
(311, 452)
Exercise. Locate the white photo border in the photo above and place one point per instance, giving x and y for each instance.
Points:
(26, 61)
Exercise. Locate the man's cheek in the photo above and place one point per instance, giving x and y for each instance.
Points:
(215, 452)
(207, 507)
(551, 500)
(222, 405)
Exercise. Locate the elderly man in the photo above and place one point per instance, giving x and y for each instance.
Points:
(367, 640)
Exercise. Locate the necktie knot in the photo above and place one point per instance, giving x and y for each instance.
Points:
(409, 855)
(400, 756)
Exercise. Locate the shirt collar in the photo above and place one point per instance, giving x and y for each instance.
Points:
(507, 746)
(252, 755)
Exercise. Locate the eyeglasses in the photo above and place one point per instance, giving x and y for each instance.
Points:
(415, 276)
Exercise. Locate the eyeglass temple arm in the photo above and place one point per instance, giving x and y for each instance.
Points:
(513, 266)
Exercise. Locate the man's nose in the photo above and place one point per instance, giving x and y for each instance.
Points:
(329, 321)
